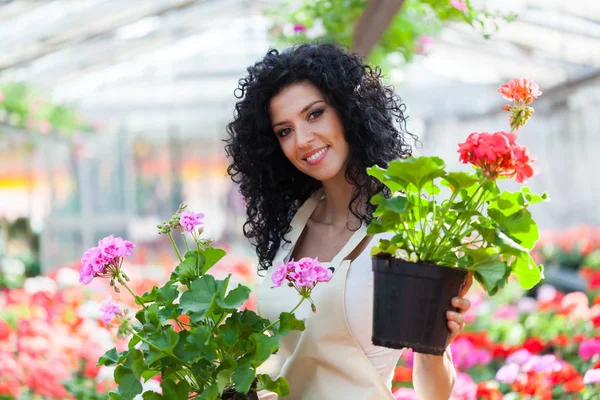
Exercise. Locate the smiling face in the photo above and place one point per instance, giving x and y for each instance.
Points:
(310, 131)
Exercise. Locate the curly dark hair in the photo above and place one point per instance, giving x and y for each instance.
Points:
(374, 127)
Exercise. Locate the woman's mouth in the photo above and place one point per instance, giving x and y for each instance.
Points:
(317, 156)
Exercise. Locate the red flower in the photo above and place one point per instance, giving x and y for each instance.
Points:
(534, 345)
(502, 350)
(5, 330)
(488, 391)
(478, 339)
(574, 385)
(567, 373)
(497, 154)
(402, 374)
(523, 89)
(561, 340)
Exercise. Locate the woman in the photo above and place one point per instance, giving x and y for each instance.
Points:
(310, 120)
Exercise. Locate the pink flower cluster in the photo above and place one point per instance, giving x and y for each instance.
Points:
(589, 348)
(465, 355)
(497, 154)
(523, 361)
(110, 251)
(305, 272)
(592, 376)
(190, 220)
(460, 5)
(109, 309)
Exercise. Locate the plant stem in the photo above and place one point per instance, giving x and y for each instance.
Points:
(198, 257)
(187, 246)
(175, 247)
(450, 232)
(135, 296)
(291, 312)
(159, 349)
(438, 226)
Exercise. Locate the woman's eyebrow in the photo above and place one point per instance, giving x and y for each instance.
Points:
(301, 112)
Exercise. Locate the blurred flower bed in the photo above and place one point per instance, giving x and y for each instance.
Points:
(51, 334)
(514, 347)
(573, 248)
(517, 347)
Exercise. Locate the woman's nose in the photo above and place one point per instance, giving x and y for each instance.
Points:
(304, 137)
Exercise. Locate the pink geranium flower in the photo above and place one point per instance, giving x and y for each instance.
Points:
(405, 394)
(104, 260)
(592, 376)
(190, 220)
(109, 309)
(306, 272)
(460, 5)
(508, 373)
(589, 348)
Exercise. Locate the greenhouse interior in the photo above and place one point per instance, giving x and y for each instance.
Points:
(114, 122)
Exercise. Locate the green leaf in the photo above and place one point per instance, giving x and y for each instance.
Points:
(458, 181)
(235, 298)
(136, 361)
(175, 391)
(129, 384)
(200, 344)
(224, 378)
(110, 358)
(242, 377)
(508, 203)
(417, 170)
(151, 396)
(210, 393)
(397, 204)
(380, 174)
(288, 322)
(519, 226)
(279, 386)
(213, 256)
(488, 269)
(199, 300)
(147, 374)
(188, 269)
(166, 339)
(262, 346)
(527, 272)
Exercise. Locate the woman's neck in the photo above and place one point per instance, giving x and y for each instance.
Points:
(334, 210)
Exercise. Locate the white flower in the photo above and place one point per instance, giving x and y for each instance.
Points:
(40, 284)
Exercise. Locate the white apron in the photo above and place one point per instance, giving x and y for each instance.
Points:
(324, 362)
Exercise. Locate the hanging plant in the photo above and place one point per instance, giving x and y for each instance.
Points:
(408, 34)
(24, 107)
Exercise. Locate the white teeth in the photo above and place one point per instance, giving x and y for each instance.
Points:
(317, 154)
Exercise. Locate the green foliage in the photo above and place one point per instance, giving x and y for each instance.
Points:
(334, 20)
(218, 349)
(26, 108)
(475, 227)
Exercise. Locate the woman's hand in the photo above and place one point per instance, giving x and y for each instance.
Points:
(456, 319)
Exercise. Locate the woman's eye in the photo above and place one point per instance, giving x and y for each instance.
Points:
(315, 114)
(284, 132)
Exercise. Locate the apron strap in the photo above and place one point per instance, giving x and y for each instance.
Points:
(298, 224)
(350, 245)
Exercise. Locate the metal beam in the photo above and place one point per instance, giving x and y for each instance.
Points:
(97, 28)
(373, 23)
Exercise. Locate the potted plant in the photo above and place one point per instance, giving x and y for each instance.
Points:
(448, 224)
(191, 333)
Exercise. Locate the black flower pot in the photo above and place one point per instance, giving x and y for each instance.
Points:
(410, 303)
